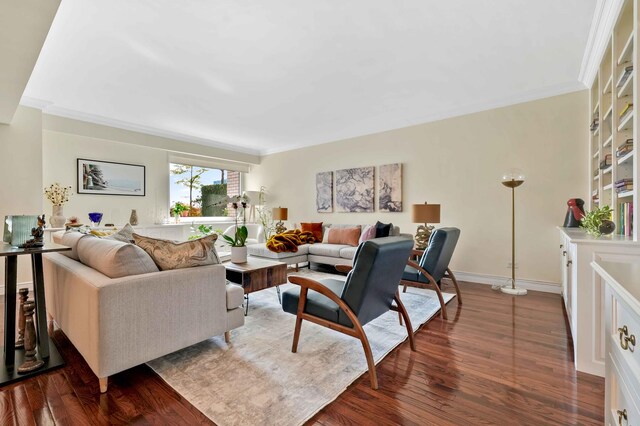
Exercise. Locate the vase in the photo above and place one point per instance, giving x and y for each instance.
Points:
(133, 219)
(239, 254)
(57, 219)
(607, 227)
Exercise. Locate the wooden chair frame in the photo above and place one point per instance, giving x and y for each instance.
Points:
(432, 282)
(357, 331)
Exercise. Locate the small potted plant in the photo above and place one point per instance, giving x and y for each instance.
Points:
(237, 242)
(179, 209)
(598, 221)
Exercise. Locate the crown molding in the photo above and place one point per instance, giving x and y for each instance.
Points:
(604, 18)
(51, 109)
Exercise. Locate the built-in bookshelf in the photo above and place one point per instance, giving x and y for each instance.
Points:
(613, 124)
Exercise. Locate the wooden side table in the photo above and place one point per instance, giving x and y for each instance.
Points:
(46, 349)
(256, 274)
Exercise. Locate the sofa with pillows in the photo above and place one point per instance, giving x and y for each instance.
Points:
(335, 244)
(122, 304)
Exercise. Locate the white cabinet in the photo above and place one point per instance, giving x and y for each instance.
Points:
(583, 291)
(622, 329)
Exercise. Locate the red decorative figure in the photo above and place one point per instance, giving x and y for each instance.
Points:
(575, 213)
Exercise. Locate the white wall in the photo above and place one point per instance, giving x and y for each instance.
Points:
(458, 163)
(21, 174)
(60, 154)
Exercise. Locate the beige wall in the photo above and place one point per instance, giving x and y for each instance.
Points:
(60, 153)
(21, 173)
(458, 163)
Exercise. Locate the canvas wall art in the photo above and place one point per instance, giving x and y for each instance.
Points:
(324, 192)
(390, 188)
(107, 178)
(355, 190)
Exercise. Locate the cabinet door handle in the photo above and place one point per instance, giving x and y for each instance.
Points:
(626, 341)
(622, 415)
(569, 262)
(561, 245)
(564, 252)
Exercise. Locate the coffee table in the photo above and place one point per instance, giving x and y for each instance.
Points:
(255, 275)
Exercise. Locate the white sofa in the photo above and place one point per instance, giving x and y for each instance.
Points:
(323, 252)
(118, 323)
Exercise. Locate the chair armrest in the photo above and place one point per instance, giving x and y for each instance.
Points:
(416, 252)
(343, 268)
(420, 269)
(307, 283)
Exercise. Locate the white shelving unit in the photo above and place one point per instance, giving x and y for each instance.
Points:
(614, 88)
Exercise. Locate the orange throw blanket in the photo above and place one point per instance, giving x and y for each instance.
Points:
(289, 241)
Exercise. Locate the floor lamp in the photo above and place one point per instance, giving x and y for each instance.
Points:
(513, 179)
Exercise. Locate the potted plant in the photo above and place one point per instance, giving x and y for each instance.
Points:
(179, 209)
(58, 195)
(237, 242)
(598, 221)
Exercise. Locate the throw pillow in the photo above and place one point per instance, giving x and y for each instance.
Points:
(383, 229)
(348, 236)
(125, 234)
(315, 228)
(114, 259)
(369, 233)
(171, 255)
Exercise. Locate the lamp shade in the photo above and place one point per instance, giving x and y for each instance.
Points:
(254, 197)
(425, 213)
(280, 213)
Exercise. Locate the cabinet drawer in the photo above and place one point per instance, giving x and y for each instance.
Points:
(621, 401)
(625, 331)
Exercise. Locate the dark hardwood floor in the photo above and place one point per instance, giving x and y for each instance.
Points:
(497, 360)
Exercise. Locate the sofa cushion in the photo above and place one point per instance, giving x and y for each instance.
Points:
(368, 233)
(171, 255)
(348, 236)
(114, 259)
(261, 250)
(71, 239)
(348, 253)
(315, 228)
(331, 250)
(125, 234)
(235, 296)
(383, 229)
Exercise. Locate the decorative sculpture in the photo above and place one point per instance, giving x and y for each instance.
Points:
(575, 213)
(37, 234)
(31, 363)
(24, 295)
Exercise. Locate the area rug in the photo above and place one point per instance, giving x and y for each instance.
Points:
(257, 380)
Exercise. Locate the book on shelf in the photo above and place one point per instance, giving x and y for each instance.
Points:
(606, 162)
(624, 188)
(625, 76)
(626, 111)
(594, 125)
(625, 219)
(625, 148)
(623, 181)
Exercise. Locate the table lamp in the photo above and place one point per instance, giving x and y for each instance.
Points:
(424, 214)
(280, 214)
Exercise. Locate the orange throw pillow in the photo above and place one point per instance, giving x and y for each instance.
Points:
(315, 228)
(348, 236)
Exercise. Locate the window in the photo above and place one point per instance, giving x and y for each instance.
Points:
(201, 191)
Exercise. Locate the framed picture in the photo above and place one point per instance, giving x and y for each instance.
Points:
(108, 178)
(390, 188)
(354, 190)
(324, 192)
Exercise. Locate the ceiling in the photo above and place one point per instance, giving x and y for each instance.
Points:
(268, 76)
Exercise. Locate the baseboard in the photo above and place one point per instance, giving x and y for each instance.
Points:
(546, 286)
(26, 284)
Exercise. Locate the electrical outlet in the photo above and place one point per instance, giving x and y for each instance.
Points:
(509, 265)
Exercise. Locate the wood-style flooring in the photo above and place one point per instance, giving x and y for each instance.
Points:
(497, 360)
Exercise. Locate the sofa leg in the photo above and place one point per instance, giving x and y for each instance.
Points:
(227, 336)
(103, 384)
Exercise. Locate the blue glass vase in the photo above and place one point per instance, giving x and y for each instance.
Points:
(95, 218)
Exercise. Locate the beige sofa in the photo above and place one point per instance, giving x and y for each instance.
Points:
(119, 322)
(323, 252)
